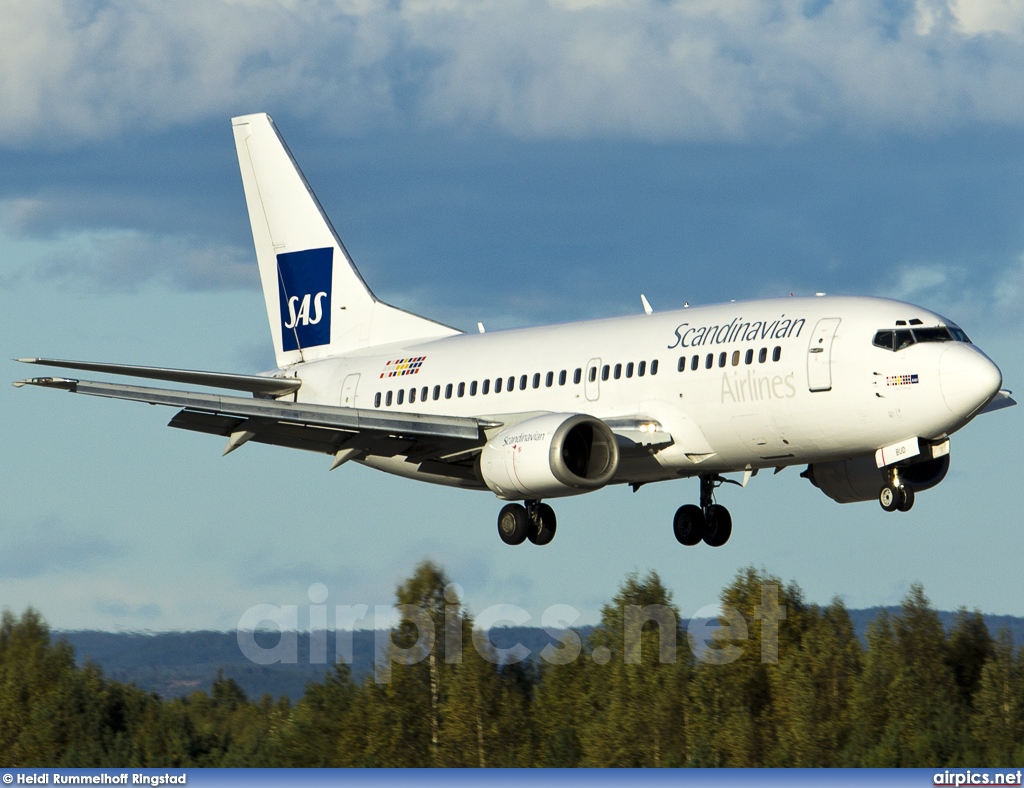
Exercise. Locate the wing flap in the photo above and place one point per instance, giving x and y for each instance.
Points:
(350, 419)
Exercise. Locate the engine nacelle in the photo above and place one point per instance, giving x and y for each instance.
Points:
(550, 456)
(848, 481)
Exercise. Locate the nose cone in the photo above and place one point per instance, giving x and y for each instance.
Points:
(968, 379)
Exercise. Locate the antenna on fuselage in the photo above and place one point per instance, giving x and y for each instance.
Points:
(647, 304)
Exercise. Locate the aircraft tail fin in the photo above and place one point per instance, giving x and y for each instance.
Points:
(317, 303)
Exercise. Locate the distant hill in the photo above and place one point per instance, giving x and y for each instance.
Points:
(173, 664)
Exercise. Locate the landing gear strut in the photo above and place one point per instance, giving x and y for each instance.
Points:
(708, 522)
(534, 521)
(895, 495)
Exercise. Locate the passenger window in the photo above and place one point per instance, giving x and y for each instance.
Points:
(762, 355)
(629, 369)
(448, 391)
(604, 372)
(486, 387)
(735, 358)
(577, 375)
(695, 363)
(593, 374)
(437, 392)
(522, 382)
(722, 357)
(472, 389)
(511, 384)
(904, 339)
(641, 368)
(412, 396)
(654, 367)
(549, 379)
(497, 385)
(423, 394)
(387, 399)
(709, 362)
(462, 389)
(401, 396)
(884, 339)
(376, 400)
(777, 353)
(561, 378)
(749, 357)
(682, 364)
(536, 380)
(618, 371)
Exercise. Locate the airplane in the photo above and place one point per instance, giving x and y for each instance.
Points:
(863, 391)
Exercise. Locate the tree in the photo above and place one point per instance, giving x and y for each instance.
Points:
(812, 688)
(908, 708)
(998, 718)
(637, 706)
(318, 732)
(486, 713)
(734, 718)
(407, 722)
(970, 647)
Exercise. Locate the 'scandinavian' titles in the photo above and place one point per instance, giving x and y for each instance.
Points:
(737, 331)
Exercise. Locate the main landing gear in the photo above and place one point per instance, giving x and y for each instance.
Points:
(708, 522)
(896, 496)
(534, 521)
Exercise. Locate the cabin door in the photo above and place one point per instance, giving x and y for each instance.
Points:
(819, 354)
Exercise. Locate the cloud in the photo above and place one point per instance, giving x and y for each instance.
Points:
(52, 548)
(120, 259)
(982, 17)
(970, 295)
(119, 609)
(682, 70)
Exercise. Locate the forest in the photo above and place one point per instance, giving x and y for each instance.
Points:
(798, 691)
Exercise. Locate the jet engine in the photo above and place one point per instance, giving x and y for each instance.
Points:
(848, 481)
(550, 456)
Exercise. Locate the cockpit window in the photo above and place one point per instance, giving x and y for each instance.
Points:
(884, 339)
(940, 334)
(905, 337)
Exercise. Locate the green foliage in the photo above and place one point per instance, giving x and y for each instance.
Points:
(781, 683)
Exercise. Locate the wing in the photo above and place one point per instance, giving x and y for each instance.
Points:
(441, 445)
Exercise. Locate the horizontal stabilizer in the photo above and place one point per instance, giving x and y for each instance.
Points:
(256, 384)
(1001, 400)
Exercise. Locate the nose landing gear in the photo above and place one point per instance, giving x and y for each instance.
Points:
(896, 496)
(709, 522)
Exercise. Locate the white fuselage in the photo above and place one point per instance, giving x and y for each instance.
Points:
(775, 382)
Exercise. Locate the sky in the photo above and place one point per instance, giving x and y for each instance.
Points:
(515, 162)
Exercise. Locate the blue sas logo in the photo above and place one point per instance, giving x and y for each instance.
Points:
(305, 286)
